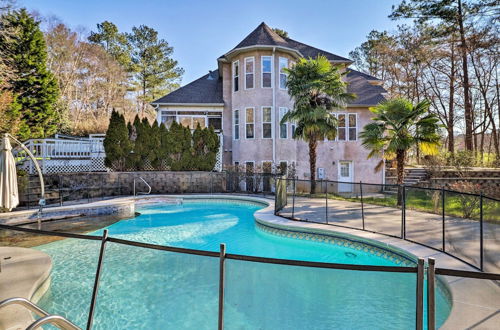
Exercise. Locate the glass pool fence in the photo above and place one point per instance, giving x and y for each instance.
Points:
(223, 286)
(463, 225)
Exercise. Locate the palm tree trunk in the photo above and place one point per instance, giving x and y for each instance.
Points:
(400, 170)
(312, 162)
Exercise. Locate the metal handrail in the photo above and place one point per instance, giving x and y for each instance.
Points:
(60, 321)
(142, 192)
(57, 320)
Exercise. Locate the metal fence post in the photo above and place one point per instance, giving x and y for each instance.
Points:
(443, 194)
(60, 191)
(222, 268)
(326, 202)
(481, 242)
(431, 295)
(96, 281)
(420, 295)
(403, 212)
(362, 205)
(293, 199)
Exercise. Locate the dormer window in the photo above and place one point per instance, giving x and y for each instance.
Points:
(283, 74)
(267, 69)
(249, 72)
(236, 75)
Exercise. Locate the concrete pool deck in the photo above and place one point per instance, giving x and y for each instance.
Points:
(476, 303)
(24, 273)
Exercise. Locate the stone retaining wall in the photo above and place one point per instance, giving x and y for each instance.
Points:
(74, 186)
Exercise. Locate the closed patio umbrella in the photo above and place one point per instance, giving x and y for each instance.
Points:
(9, 195)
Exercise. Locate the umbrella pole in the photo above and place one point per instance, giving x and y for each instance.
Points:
(41, 202)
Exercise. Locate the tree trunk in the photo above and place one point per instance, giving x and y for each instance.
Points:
(451, 109)
(312, 162)
(400, 170)
(468, 106)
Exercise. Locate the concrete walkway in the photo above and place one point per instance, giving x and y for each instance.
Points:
(462, 236)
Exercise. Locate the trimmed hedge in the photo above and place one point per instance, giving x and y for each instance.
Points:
(142, 146)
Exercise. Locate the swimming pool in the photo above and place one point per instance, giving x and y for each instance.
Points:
(151, 289)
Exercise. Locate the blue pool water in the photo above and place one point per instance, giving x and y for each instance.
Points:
(149, 289)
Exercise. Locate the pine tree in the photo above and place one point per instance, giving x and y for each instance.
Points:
(34, 84)
(155, 71)
(116, 143)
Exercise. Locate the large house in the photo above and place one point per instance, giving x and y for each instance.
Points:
(245, 98)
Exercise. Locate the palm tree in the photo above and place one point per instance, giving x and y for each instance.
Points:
(317, 88)
(398, 127)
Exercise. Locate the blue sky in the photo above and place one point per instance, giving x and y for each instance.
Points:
(200, 31)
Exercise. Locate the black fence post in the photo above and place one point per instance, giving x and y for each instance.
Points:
(443, 194)
(60, 191)
(362, 205)
(222, 268)
(326, 202)
(96, 281)
(481, 242)
(211, 182)
(293, 199)
(403, 212)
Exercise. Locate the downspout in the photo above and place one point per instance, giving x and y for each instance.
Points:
(276, 115)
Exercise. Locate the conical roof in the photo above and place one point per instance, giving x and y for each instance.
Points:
(263, 36)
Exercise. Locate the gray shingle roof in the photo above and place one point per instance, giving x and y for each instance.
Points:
(207, 90)
(263, 35)
(309, 51)
(366, 93)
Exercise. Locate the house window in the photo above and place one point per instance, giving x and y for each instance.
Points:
(215, 122)
(267, 130)
(267, 167)
(249, 72)
(353, 129)
(283, 74)
(267, 69)
(168, 117)
(192, 121)
(236, 120)
(236, 75)
(293, 130)
(341, 130)
(284, 126)
(249, 123)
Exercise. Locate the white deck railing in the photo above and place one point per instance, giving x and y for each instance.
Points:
(66, 154)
